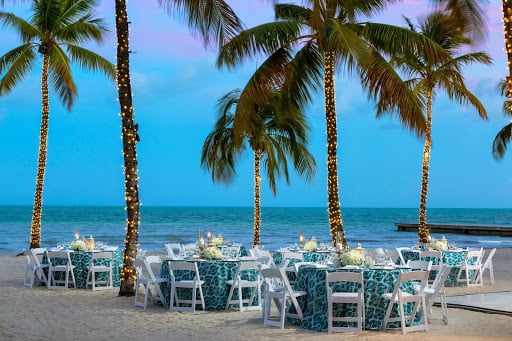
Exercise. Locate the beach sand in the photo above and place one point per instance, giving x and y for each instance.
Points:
(41, 314)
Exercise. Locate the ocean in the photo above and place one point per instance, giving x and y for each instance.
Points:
(372, 227)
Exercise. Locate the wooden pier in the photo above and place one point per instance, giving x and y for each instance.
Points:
(489, 230)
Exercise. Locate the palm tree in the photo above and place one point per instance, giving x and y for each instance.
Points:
(130, 139)
(54, 25)
(324, 37)
(277, 133)
(502, 139)
(428, 75)
(215, 21)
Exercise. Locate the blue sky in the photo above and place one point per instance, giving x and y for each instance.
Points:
(176, 86)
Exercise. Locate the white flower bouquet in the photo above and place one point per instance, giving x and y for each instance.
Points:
(310, 245)
(437, 245)
(351, 257)
(216, 240)
(211, 253)
(78, 245)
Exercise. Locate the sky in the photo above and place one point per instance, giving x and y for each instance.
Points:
(176, 86)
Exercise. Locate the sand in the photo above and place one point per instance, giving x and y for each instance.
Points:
(76, 314)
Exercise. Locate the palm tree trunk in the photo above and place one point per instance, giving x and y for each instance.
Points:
(507, 23)
(35, 231)
(130, 138)
(257, 193)
(423, 230)
(335, 221)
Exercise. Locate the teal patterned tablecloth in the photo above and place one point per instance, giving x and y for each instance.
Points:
(315, 257)
(81, 259)
(215, 275)
(453, 258)
(376, 282)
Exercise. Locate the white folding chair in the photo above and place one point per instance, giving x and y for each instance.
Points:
(189, 249)
(401, 256)
(35, 269)
(471, 267)
(436, 290)
(264, 257)
(149, 280)
(420, 265)
(195, 284)
(60, 262)
(401, 298)
(231, 251)
(100, 263)
(244, 271)
(487, 265)
(174, 251)
(278, 289)
(436, 257)
(345, 297)
(296, 257)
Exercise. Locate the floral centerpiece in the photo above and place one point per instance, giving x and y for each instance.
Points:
(78, 245)
(211, 253)
(437, 245)
(351, 257)
(310, 245)
(216, 240)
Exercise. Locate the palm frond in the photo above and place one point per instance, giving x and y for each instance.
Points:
(15, 65)
(26, 32)
(60, 76)
(214, 20)
(304, 76)
(392, 95)
(499, 146)
(92, 61)
(292, 12)
(263, 39)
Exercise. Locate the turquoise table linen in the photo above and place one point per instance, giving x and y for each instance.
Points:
(215, 275)
(453, 258)
(81, 259)
(376, 282)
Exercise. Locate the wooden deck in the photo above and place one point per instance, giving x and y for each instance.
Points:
(489, 230)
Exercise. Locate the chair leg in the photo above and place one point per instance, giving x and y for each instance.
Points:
(283, 312)
(240, 299)
(194, 293)
(171, 297)
(228, 302)
(201, 297)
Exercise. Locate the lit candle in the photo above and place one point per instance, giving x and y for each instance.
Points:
(301, 237)
(208, 234)
(359, 249)
(77, 234)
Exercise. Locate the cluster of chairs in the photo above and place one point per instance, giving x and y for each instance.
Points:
(150, 280)
(273, 286)
(58, 271)
(472, 269)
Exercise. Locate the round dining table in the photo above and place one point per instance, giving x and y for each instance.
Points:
(376, 283)
(81, 260)
(453, 258)
(214, 273)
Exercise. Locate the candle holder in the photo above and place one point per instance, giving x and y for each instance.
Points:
(359, 249)
(90, 243)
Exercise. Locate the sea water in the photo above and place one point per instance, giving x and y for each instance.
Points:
(372, 227)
